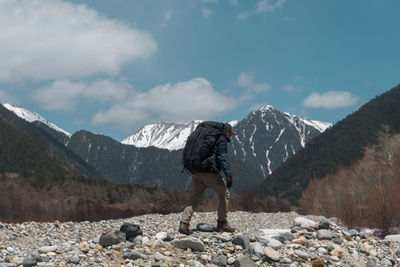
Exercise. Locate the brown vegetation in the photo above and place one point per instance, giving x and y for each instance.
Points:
(74, 200)
(366, 194)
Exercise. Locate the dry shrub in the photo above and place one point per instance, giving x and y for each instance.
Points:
(365, 194)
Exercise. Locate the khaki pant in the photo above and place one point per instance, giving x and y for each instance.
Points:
(200, 181)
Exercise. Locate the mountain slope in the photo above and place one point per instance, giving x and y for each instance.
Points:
(54, 147)
(33, 116)
(172, 136)
(148, 166)
(342, 144)
(268, 137)
(128, 164)
(265, 139)
(167, 135)
(35, 119)
(32, 161)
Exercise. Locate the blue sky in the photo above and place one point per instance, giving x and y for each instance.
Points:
(113, 66)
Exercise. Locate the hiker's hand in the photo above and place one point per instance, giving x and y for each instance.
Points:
(229, 181)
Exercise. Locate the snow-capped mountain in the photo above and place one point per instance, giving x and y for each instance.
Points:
(166, 135)
(172, 136)
(268, 137)
(33, 117)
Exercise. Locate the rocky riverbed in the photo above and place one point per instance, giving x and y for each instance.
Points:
(261, 239)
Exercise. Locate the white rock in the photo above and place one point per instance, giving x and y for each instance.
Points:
(273, 232)
(301, 254)
(393, 238)
(161, 236)
(304, 222)
(158, 256)
(257, 248)
(272, 242)
(272, 254)
(322, 250)
(47, 249)
(335, 258)
(145, 240)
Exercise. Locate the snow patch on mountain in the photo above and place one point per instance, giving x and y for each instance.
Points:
(33, 116)
(233, 123)
(166, 135)
(319, 125)
(172, 136)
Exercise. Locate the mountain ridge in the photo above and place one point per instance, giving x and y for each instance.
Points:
(340, 145)
(172, 136)
(31, 116)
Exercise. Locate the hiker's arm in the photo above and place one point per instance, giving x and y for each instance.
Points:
(222, 155)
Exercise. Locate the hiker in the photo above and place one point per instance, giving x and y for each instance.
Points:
(216, 135)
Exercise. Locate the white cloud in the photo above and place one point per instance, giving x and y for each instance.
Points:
(261, 87)
(292, 88)
(53, 39)
(167, 16)
(234, 2)
(289, 88)
(243, 16)
(194, 99)
(246, 80)
(331, 100)
(267, 6)
(66, 95)
(206, 12)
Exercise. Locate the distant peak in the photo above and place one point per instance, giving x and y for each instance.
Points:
(266, 108)
(30, 116)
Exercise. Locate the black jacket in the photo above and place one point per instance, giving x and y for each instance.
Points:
(220, 154)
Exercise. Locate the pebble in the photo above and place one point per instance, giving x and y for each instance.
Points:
(206, 227)
(242, 240)
(158, 256)
(161, 236)
(261, 239)
(324, 234)
(219, 260)
(47, 249)
(302, 254)
(272, 254)
(84, 247)
(244, 261)
(304, 222)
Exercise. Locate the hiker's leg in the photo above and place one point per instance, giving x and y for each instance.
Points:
(197, 191)
(218, 185)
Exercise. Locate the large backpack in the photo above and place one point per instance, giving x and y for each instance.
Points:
(197, 154)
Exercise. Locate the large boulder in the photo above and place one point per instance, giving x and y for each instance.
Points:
(244, 261)
(393, 238)
(206, 227)
(242, 240)
(190, 242)
(131, 230)
(109, 238)
(304, 223)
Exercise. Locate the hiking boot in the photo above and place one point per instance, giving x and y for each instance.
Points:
(184, 228)
(224, 227)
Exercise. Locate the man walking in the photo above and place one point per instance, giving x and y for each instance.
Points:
(206, 170)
